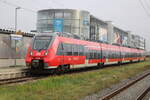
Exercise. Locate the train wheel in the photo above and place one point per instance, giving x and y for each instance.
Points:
(67, 68)
(100, 65)
(62, 69)
(139, 60)
(119, 63)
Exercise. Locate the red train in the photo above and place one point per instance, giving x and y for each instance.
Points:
(53, 51)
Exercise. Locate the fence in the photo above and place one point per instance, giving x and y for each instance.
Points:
(8, 52)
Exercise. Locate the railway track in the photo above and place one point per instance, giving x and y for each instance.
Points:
(12, 76)
(125, 87)
(22, 79)
(143, 94)
(17, 80)
(13, 73)
(18, 76)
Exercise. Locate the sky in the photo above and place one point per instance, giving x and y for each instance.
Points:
(129, 15)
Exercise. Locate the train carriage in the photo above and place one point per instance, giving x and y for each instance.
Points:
(53, 51)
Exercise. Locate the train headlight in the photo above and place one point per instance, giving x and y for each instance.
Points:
(46, 53)
(31, 53)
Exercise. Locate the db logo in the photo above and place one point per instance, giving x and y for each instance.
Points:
(38, 54)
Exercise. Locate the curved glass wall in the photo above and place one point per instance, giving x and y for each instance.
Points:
(64, 20)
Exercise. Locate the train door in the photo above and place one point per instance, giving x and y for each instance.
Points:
(61, 49)
(87, 55)
(103, 54)
(120, 54)
(100, 56)
(67, 53)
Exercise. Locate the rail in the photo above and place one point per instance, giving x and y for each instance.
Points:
(143, 94)
(121, 89)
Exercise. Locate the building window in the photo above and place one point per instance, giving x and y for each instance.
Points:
(67, 15)
(58, 15)
(43, 15)
(51, 15)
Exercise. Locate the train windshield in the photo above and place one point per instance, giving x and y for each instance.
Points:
(42, 42)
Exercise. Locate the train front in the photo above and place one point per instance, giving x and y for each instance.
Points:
(38, 55)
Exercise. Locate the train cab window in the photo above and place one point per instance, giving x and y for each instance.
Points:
(42, 42)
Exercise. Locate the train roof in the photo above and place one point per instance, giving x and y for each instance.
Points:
(46, 34)
(69, 35)
(73, 36)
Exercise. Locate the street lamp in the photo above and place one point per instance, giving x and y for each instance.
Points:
(16, 9)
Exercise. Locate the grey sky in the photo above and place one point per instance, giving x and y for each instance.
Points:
(125, 14)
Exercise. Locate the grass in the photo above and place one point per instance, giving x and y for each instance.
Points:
(73, 86)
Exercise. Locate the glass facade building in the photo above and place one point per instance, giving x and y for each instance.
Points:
(98, 29)
(64, 20)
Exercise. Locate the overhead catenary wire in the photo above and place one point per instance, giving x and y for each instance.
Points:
(36, 2)
(58, 3)
(14, 5)
(148, 1)
(147, 4)
(27, 9)
(145, 9)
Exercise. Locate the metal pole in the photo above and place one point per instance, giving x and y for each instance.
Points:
(16, 31)
(15, 20)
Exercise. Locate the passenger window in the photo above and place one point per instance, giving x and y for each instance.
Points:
(60, 49)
